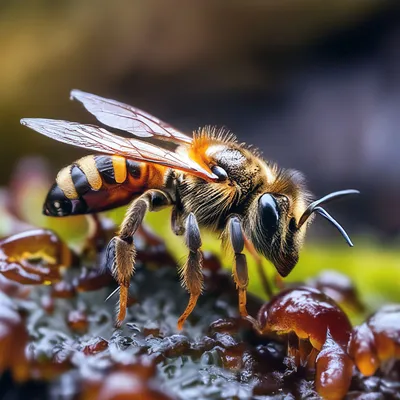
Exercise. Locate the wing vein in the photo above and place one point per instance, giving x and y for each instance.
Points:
(92, 137)
(130, 119)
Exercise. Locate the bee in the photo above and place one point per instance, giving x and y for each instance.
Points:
(210, 180)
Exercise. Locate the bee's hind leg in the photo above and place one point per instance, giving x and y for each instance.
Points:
(240, 272)
(121, 251)
(191, 272)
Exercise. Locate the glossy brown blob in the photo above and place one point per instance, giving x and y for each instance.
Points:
(227, 325)
(34, 257)
(317, 333)
(377, 340)
(63, 290)
(151, 328)
(306, 312)
(211, 262)
(90, 280)
(385, 325)
(77, 321)
(175, 346)
(48, 369)
(151, 249)
(125, 383)
(334, 370)
(154, 257)
(231, 351)
(340, 288)
(232, 358)
(362, 350)
(13, 289)
(94, 346)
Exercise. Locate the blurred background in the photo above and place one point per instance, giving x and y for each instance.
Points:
(315, 85)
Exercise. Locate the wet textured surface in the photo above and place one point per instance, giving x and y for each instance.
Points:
(58, 341)
(74, 352)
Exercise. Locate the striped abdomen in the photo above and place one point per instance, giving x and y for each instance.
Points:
(98, 183)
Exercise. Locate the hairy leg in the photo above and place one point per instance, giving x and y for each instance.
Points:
(121, 249)
(191, 272)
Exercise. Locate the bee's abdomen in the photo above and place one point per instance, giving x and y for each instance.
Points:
(98, 183)
(57, 204)
(111, 168)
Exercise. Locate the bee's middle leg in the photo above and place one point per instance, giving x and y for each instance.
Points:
(240, 272)
(121, 251)
(191, 272)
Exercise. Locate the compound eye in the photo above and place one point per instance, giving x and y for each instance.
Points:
(282, 200)
(269, 213)
(220, 173)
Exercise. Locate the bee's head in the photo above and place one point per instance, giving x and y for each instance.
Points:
(277, 219)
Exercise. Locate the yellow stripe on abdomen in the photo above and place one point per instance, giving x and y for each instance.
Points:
(119, 165)
(65, 183)
(89, 168)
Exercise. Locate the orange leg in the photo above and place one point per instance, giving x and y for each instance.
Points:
(240, 272)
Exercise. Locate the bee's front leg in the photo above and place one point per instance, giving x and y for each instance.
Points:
(191, 273)
(240, 273)
(121, 251)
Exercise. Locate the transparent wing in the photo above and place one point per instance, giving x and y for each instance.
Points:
(92, 137)
(127, 118)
